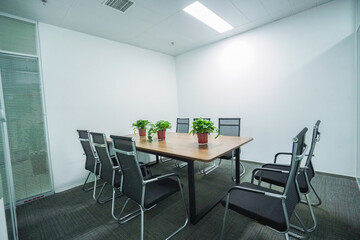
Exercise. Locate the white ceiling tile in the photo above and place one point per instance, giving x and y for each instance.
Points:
(302, 2)
(253, 9)
(163, 43)
(52, 12)
(275, 5)
(154, 24)
(226, 11)
(164, 8)
(93, 17)
(299, 7)
(184, 24)
(319, 2)
(281, 14)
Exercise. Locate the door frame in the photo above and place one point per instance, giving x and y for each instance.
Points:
(41, 82)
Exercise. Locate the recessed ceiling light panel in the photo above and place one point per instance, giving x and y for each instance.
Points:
(205, 15)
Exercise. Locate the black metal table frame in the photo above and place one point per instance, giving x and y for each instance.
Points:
(195, 216)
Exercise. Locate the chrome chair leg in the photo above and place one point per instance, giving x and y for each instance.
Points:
(113, 203)
(186, 212)
(83, 187)
(302, 229)
(129, 216)
(224, 219)
(142, 223)
(100, 193)
(312, 217)
(319, 201)
(164, 160)
(107, 199)
(287, 236)
(95, 186)
(209, 169)
(180, 165)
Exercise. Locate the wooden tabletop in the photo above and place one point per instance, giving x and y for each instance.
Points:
(183, 145)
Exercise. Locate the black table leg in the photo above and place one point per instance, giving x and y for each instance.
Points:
(157, 159)
(192, 197)
(237, 165)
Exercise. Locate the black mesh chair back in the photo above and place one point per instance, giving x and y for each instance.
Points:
(125, 152)
(182, 125)
(101, 148)
(207, 119)
(229, 126)
(291, 190)
(84, 138)
(315, 138)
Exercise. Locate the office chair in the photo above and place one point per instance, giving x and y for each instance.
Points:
(145, 193)
(228, 127)
(207, 119)
(304, 179)
(110, 169)
(91, 163)
(266, 206)
(182, 126)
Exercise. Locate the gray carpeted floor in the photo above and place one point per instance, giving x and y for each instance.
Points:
(74, 215)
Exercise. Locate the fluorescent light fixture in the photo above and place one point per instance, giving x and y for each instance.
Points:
(202, 13)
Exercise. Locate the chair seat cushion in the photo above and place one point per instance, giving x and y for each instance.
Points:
(159, 190)
(280, 179)
(264, 209)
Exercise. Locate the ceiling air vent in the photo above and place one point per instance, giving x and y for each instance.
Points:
(121, 5)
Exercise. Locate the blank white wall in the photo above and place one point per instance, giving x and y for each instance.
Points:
(100, 85)
(280, 78)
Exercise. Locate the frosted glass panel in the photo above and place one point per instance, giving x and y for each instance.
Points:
(25, 122)
(17, 36)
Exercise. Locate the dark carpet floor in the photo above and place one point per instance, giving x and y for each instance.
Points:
(74, 215)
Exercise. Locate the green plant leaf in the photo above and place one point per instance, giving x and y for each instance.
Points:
(162, 125)
(203, 126)
(140, 124)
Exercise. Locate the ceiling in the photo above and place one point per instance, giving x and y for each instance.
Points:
(156, 24)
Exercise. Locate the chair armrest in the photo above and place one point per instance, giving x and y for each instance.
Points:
(286, 153)
(281, 153)
(256, 191)
(162, 177)
(266, 169)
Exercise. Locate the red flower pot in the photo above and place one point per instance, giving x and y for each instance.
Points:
(142, 132)
(203, 138)
(161, 135)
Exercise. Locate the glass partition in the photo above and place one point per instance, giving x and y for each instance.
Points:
(21, 90)
(8, 223)
(17, 36)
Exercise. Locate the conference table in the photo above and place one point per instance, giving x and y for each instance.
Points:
(184, 147)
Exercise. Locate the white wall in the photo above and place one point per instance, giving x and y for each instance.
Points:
(100, 85)
(280, 78)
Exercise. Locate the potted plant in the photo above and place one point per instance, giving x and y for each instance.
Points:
(161, 127)
(141, 126)
(151, 132)
(203, 128)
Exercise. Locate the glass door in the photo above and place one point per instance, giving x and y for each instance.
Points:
(8, 223)
(23, 104)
